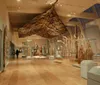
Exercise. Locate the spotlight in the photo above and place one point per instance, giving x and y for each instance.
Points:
(69, 15)
(18, 0)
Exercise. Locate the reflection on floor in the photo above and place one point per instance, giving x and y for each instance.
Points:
(37, 57)
(41, 72)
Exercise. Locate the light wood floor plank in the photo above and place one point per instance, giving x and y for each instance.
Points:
(41, 72)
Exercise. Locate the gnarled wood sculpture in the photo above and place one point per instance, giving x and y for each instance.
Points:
(47, 25)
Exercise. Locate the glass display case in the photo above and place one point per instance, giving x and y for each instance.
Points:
(59, 49)
(85, 49)
(96, 51)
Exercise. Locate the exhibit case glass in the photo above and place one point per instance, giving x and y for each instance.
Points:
(81, 49)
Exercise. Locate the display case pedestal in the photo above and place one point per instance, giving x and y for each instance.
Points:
(86, 65)
(94, 76)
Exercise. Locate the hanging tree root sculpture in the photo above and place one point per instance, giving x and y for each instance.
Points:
(47, 24)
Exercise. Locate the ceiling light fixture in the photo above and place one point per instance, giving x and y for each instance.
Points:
(18, 0)
(69, 15)
(74, 13)
(50, 2)
(60, 5)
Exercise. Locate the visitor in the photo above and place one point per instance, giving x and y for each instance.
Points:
(17, 53)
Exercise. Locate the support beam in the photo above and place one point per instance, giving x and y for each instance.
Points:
(82, 15)
(88, 16)
(72, 23)
(66, 21)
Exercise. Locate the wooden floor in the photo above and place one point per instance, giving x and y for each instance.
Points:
(41, 72)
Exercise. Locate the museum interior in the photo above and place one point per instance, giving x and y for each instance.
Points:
(49, 42)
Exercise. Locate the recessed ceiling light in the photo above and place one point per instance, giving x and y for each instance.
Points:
(69, 15)
(18, 0)
(50, 2)
(61, 5)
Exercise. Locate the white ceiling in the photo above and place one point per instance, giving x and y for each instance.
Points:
(63, 7)
(36, 6)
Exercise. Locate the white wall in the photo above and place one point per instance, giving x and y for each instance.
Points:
(3, 12)
(92, 31)
(4, 19)
(4, 22)
(35, 39)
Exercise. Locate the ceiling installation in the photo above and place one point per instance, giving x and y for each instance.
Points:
(47, 25)
(23, 11)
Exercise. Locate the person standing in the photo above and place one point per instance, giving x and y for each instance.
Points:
(17, 53)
